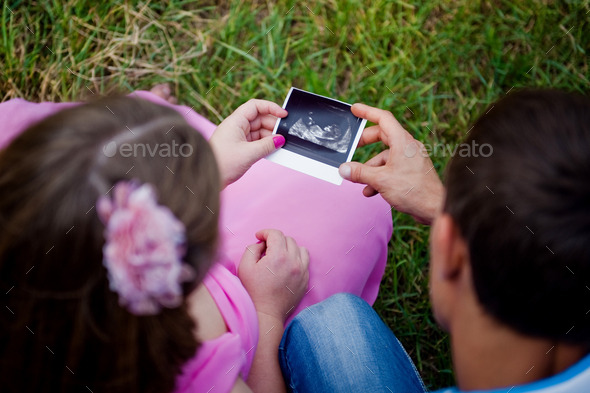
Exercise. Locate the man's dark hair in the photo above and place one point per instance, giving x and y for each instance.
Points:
(524, 212)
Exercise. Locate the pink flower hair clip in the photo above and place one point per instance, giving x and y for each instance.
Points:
(144, 247)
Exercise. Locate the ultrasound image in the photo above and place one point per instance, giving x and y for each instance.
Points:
(318, 128)
(334, 136)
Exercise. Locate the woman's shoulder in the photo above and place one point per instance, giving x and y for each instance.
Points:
(204, 311)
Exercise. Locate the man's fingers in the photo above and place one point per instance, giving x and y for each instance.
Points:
(393, 131)
(379, 160)
(371, 135)
(370, 113)
(357, 172)
(369, 191)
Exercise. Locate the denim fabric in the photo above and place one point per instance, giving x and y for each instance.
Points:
(341, 345)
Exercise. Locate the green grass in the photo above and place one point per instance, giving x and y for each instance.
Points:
(435, 64)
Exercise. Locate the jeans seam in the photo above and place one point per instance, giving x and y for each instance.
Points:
(424, 389)
(287, 363)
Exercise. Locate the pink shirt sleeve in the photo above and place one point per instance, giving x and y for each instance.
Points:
(221, 361)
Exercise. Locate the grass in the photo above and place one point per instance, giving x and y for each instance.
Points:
(436, 65)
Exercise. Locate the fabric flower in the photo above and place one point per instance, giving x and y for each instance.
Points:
(144, 247)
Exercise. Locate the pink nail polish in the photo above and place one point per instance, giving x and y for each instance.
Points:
(278, 140)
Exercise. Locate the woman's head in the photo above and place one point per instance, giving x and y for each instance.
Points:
(524, 212)
(51, 244)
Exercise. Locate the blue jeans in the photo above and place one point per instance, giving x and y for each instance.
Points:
(341, 345)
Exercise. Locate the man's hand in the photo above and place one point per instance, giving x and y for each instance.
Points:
(403, 174)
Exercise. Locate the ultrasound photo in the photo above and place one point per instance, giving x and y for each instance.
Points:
(320, 134)
(335, 136)
(318, 127)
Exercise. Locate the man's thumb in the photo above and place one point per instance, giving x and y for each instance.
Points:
(355, 172)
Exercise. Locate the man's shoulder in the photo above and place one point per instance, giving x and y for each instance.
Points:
(575, 379)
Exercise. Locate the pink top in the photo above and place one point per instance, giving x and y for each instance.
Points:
(219, 362)
(346, 235)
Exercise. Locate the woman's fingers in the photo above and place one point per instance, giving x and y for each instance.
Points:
(274, 238)
(263, 133)
(304, 257)
(253, 253)
(255, 108)
(292, 247)
(268, 122)
(256, 135)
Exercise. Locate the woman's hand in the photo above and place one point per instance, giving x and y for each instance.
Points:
(244, 137)
(403, 174)
(275, 273)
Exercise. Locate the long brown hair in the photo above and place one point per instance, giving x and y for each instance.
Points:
(63, 329)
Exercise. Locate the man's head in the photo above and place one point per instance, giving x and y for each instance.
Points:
(518, 221)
